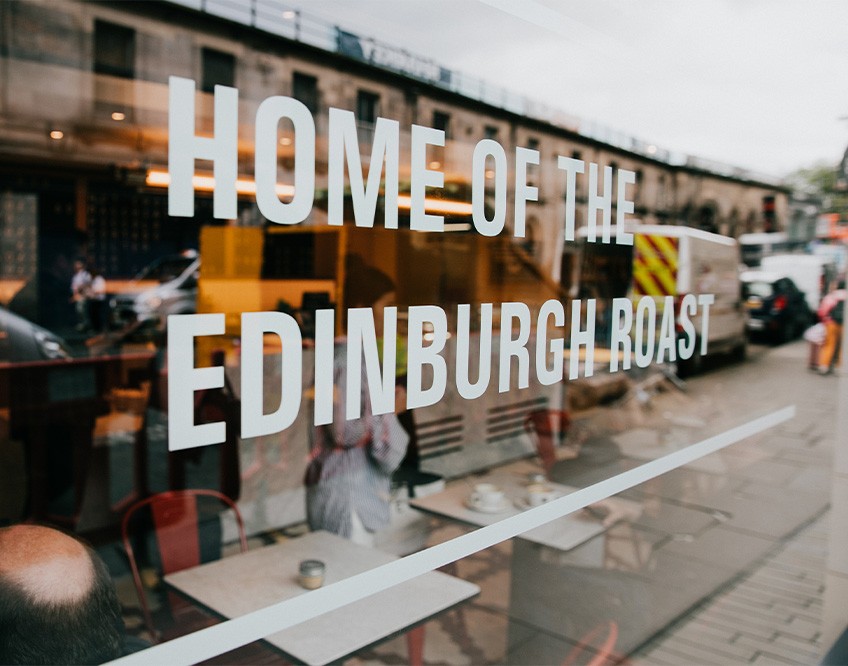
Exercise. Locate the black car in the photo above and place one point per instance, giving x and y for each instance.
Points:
(777, 309)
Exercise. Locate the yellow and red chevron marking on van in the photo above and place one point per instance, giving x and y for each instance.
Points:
(655, 265)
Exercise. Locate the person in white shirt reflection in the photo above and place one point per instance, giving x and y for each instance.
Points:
(80, 286)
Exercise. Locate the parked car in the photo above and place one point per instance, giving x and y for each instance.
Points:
(777, 309)
(811, 274)
(165, 287)
(21, 341)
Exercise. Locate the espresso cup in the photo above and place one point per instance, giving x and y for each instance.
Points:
(539, 493)
(487, 495)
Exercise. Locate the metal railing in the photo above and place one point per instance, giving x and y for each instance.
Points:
(278, 18)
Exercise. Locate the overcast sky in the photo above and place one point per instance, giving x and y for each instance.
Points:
(760, 84)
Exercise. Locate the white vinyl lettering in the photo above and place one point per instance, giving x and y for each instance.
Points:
(686, 343)
(420, 355)
(184, 148)
(622, 322)
(666, 343)
(623, 207)
(549, 376)
(646, 322)
(705, 301)
(362, 341)
(585, 338)
(184, 379)
(254, 326)
(324, 356)
(514, 346)
(571, 167)
(422, 178)
(268, 117)
(343, 140)
(466, 389)
(523, 191)
(600, 202)
(485, 149)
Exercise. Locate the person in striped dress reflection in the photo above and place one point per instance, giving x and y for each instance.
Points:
(348, 480)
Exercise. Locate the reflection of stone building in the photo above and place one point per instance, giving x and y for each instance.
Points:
(83, 124)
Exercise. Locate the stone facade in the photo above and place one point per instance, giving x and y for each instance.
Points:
(56, 80)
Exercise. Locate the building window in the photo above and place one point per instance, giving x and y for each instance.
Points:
(613, 181)
(582, 183)
(114, 50)
(490, 132)
(305, 90)
(769, 213)
(367, 107)
(533, 143)
(218, 69)
(637, 193)
(441, 121)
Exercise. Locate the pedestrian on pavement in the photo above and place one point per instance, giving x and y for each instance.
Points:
(831, 313)
(815, 336)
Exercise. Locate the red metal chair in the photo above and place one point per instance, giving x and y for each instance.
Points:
(599, 643)
(547, 429)
(176, 525)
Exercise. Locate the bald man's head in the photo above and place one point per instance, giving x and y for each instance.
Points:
(57, 602)
(51, 567)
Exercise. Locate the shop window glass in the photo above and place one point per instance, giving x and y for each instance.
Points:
(367, 267)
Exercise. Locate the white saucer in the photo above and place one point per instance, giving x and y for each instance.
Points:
(499, 508)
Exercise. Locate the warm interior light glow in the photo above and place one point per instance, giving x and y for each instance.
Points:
(57, 134)
(117, 115)
(435, 164)
(156, 178)
(446, 206)
(288, 14)
(490, 173)
(205, 183)
(457, 226)
(285, 141)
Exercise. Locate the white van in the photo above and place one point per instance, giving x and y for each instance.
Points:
(675, 261)
(668, 260)
(811, 274)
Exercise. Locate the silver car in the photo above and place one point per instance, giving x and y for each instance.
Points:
(165, 287)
